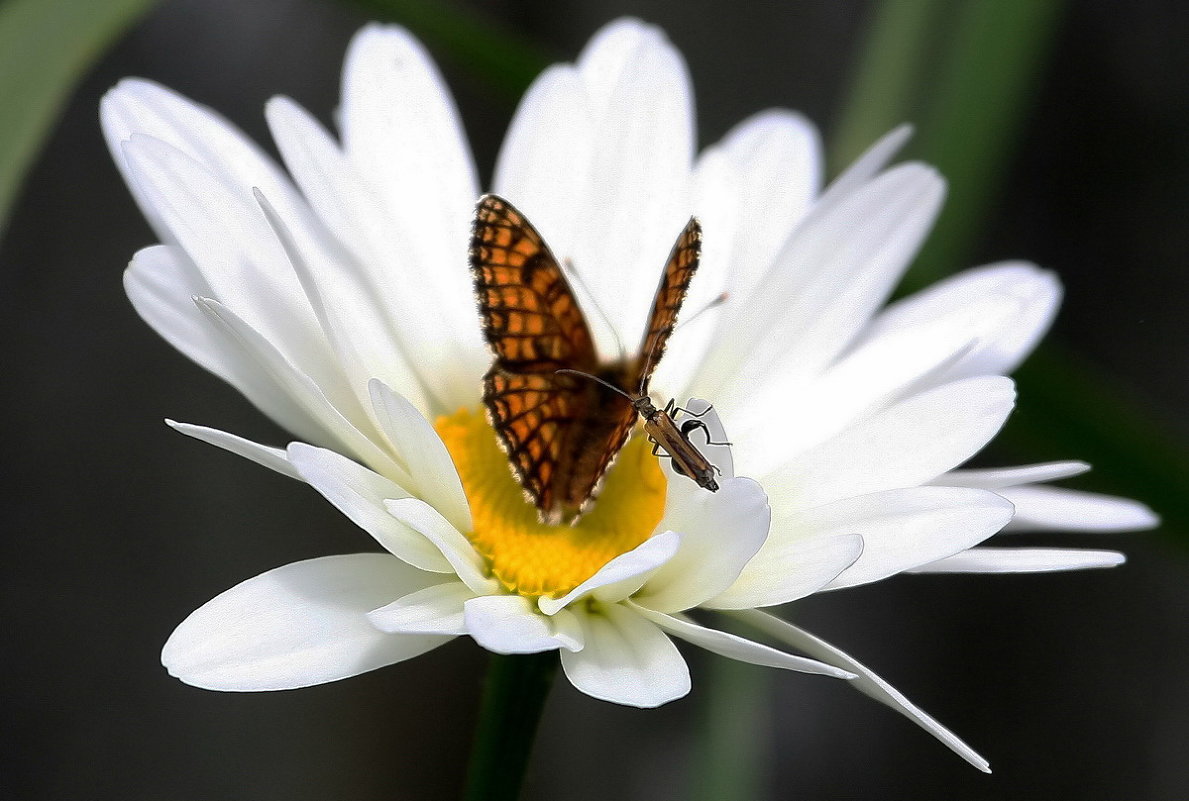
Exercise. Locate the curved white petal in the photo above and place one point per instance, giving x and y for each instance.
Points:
(430, 467)
(433, 610)
(868, 682)
(162, 283)
(789, 566)
(720, 533)
(467, 563)
(1006, 339)
(511, 624)
(739, 648)
(908, 444)
(995, 478)
(341, 430)
(906, 528)
(223, 231)
(864, 168)
(301, 624)
(622, 576)
(834, 271)
(625, 659)
(1022, 560)
(360, 494)
(402, 133)
(1057, 509)
(272, 458)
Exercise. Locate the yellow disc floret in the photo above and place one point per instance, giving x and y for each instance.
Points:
(529, 557)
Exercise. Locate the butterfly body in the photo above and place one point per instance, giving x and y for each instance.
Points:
(561, 430)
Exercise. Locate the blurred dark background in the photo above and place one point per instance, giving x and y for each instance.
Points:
(115, 528)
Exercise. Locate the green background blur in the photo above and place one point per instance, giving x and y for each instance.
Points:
(1065, 130)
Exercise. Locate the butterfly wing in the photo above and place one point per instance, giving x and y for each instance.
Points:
(679, 271)
(560, 431)
(530, 316)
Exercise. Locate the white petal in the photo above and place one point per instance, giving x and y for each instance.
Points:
(779, 157)
(834, 271)
(1056, 509)
(511, 624)
(641, 107)
(622, 576)
(868, 682)
(543, 165)
(1022, 560)
(380, 254)
(790, 567)
(301, 624)
(626, 660)
(1006, 339)
(734, 647)
(720, 533)
(299, 386)
(908, 444)
(769, 422)
(433, 610)
(224, 232)
(402, 133)
(903, 529)
(864, 168)
(434, 478)
(360, 494)
(422, 517)
(161, 282)
(272, 458)
(1000, 477)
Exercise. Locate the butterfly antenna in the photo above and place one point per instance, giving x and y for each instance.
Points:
(609, 386)
(577, 276)
(718, 301)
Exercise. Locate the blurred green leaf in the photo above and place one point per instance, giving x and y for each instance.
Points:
(969, 106)
(505, 61)
(46, 46)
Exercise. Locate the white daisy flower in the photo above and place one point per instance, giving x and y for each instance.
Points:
(336, 297)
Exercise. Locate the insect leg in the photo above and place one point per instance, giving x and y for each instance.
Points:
(693, 425)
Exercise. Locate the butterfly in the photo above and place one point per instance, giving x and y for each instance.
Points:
(561, 429)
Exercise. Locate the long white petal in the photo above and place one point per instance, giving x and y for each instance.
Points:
(905, 445)
(626, 660)
(868, 682)
(994, 478)
(1005, 340)
(788, 568)
(511, 624)
(420, 516)
(402, 133)
(622, 576)
(906, 528)
(429, 464)
(272, 458)
(433, 610)
(360, 494)
(301, 624)
(1022, 560)
(1058, 509)
(720, 533)
(739, 648)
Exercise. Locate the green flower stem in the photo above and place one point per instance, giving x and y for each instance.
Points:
(513, 697)
(732, 757)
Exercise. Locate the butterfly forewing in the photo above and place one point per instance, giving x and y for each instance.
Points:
(561, 432)
(679, 271)
(530, 316)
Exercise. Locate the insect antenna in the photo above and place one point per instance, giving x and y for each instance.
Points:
(608, 385)
(718, 301)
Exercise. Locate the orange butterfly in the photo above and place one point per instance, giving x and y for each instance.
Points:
(560, 429)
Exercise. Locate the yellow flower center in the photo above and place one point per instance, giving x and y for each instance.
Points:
(529, 557)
